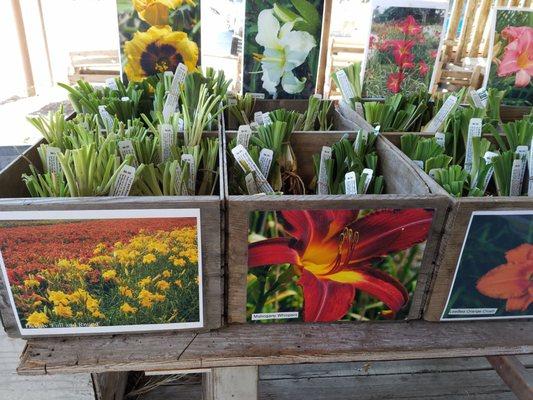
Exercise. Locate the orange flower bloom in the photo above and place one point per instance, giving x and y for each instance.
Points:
(512, 281)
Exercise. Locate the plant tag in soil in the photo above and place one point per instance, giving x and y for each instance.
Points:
(368, 174)
(350, 183)
(258, 118)
(516, 178)
(522, 152)
(243, 135)
(436, 123)
(265, 161)
(488, 157)
(179, 179)
(107, 118)
(111, 83)
(479, 97)
(266, 119)
(179, 78)
(170, 107)
(474, 130)
(250, 184)
(441, 139)
(52, 160)
(248, 165)
(191, 183)
(344, 84)
(167, 139)
(125, 148)
(323, 181)
(123, 182)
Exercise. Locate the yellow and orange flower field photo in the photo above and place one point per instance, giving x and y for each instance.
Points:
(68, 273)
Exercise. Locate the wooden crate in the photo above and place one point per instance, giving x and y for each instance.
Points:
(454, 233)
(15, 197)
(513, 113)
(404, 189)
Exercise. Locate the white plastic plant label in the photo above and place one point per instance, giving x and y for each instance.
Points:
(254, 125)
(179, 179)
(474, 130)
(488, 157)
(191, 182)
(522, 152)
(440, 139)
(258, 118)
(123, 182)
(359, 109)
(106, 117)
(52, 160)
(243, 135)
(179, 78)
(344, 84)
(232, 101)
(479, 97)
(248, 165)
(167, 139)
(111, 83)
(436, 123)
(368, 178)
(125, 148)
(350, 183)
(170, 107)
(317, 96)
(360, 140)
(516, 177)
(266, 119)
(323, 181)
(265, 161)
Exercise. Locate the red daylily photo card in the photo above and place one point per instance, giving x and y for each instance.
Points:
(333, 265)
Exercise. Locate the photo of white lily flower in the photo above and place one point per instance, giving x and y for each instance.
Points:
(282, 46)
(285, 49)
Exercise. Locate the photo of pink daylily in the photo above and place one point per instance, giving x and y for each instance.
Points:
(331, 265)
(511, 67)
(402, 48)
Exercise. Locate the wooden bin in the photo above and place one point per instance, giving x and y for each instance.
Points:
(15, 197)
(404, 189)
(455, 231)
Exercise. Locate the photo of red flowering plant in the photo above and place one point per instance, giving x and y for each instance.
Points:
(330, 265)
(402, 49)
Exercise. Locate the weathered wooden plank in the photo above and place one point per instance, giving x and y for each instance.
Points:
(264, 344)
(366, 368)
(471, 385)
(515, 375)
(110, 385)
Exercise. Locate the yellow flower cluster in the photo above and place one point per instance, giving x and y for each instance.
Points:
(118, 281)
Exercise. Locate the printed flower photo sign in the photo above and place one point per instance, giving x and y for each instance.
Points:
(511, 67)
(332, 265)
(403, 47)
(282, 47)
(493, 279)
(127, 271)
(157, 35)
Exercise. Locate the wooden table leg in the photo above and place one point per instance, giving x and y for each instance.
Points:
(110, 385)
(514, 374)
(235, 383)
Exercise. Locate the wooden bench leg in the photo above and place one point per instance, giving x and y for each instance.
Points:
(514, 374)
(230, 383)
(110, 385)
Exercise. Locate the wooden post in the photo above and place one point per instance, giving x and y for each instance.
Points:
(481, 22)
(23, 45)
(451, 37)
(235, 383)
(110, 385)
(326, 25)
(465, 30)
(45, 40)
(514, 374)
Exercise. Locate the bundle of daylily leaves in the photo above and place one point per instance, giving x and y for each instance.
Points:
(144, 139)
(474, 149)
(264, 161)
